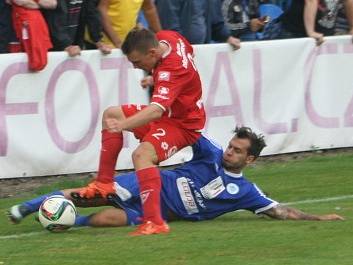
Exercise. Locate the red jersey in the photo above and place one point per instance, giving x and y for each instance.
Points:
(177, 84)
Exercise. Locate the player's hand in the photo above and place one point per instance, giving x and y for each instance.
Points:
(104, 48)
(319, 37)
(234, 42)
(73, 50)
(331, 217)
(114, 125)
(97, 189)
(147, 81)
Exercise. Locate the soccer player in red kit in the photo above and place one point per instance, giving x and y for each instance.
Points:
(170, 122)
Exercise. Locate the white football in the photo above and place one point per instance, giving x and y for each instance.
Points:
(57, 213)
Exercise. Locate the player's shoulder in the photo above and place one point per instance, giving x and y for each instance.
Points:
(168, 35)
(206, 141)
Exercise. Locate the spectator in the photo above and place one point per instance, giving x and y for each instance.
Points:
(7, 34)
(200, 21)
(313, 18)
(120, 16)
(283, 4)
(341, 27)
(32, 31)
(243, 18)
(67, 26)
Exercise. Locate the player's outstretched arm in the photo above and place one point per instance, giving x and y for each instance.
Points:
(282, 212)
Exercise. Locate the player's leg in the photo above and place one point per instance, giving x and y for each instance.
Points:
(161, 142)
(111, 145)
(17, 212)
(111, 217)
(145, 159)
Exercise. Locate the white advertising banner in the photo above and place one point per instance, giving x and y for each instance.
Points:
(298, 95)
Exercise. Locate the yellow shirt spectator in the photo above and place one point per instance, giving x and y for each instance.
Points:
(123, 16)
(120, 16)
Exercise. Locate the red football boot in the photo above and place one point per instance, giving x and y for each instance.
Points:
(149, 228)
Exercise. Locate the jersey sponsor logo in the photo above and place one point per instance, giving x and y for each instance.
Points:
(163, 76)
(186, 196)
(182, 53)
(213, 188)
(232, 188)
(163, 90)
(123, 193)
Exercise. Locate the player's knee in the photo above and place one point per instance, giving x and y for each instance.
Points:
(113, 112)
(139, 155)
(144, 153)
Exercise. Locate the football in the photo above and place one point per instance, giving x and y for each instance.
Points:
(57, 213)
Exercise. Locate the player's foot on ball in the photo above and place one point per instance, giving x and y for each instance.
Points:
(150, 228)
(16, 213)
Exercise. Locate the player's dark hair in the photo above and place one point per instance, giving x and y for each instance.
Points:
(257, 141)
(139, 39)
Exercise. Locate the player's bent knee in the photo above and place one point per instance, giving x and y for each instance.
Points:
(139, 155)
(144, 153)
(113, 113)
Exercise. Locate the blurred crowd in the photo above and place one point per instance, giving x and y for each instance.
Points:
(38, 26)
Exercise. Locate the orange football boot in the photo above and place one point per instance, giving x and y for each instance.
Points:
(149, 228)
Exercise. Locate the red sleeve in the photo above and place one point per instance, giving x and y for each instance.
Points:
(175, 73)
(168, 85)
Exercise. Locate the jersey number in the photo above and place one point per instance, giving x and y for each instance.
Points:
(160, 132)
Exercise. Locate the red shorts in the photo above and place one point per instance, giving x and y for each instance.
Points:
(166, 138)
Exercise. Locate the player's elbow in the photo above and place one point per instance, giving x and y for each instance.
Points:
(156, 111)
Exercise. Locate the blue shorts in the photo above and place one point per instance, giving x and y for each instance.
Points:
(128, 198)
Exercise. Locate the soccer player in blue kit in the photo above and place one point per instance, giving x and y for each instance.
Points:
(209, 185)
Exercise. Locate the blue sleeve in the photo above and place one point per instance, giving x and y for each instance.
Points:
(220, 32)
(205, 149)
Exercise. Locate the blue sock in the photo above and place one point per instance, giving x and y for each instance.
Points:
(82, 220)
(33, 205)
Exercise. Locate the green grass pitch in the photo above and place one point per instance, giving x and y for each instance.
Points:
(236, 238)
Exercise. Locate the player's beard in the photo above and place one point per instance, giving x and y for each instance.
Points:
(232, 167)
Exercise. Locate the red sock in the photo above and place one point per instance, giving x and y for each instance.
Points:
(150, 188)
(112, 143)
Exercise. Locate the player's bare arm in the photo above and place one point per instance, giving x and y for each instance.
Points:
(148, 114)
(348, 5)
(282, 212)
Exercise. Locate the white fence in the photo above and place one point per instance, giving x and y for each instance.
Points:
(298, 95)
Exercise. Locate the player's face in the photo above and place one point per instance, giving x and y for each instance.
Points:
(144, 61)
(236, 157)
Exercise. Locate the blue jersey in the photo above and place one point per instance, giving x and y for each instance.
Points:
(200, 189)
